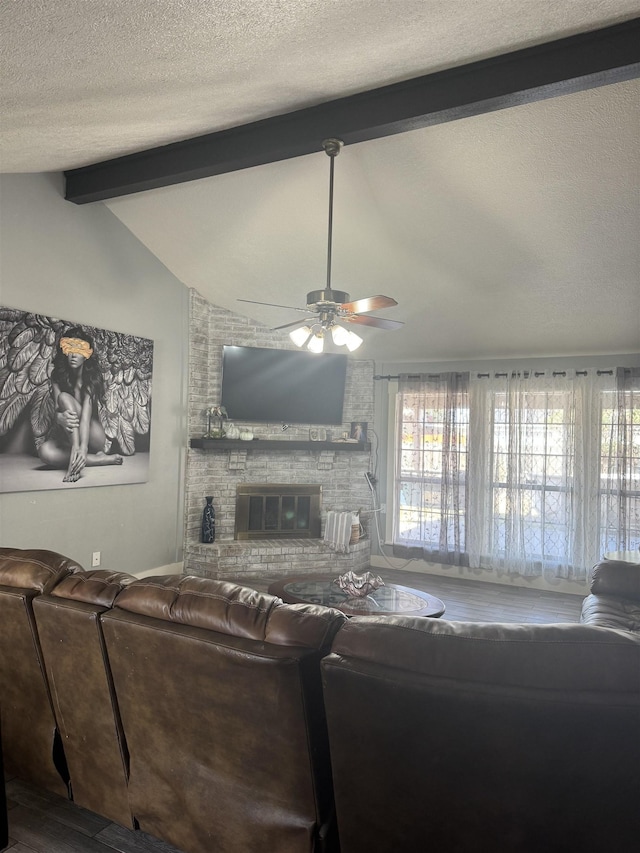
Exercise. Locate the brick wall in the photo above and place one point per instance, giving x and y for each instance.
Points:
(341, 475)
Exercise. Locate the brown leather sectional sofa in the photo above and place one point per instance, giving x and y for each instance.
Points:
(189, 708)
(224, 721)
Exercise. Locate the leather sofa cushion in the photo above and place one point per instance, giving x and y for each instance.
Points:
(618, 578)
(33, 750)
(230, 609)
(99, 587)
(560, 657)
(70, 632)
(221, 700)
(33, 569)
(607, 611)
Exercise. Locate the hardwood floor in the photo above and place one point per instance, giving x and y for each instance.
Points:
(478, 601)
(40, 822)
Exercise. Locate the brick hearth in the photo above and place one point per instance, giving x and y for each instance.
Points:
(273, 558)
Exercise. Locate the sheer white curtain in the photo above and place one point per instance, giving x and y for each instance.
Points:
(535, 472)
(530, 472)
(430, 499)
(619, 507)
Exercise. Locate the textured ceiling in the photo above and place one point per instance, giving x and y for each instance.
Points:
(508, 234)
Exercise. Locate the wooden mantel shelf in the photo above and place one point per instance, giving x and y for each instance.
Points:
(220, 445)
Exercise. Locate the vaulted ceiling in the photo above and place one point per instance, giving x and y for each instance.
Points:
(504, 233)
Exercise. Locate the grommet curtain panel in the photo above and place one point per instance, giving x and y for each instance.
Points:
(525, 472)
(432, 426)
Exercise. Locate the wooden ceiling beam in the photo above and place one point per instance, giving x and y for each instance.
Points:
(548, 70)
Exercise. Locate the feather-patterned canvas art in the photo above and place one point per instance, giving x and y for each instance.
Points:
(75, 404)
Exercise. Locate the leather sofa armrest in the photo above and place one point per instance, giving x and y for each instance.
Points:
(34, 569)
(607, 611)
(616, 578)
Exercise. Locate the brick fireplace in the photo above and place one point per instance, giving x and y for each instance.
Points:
(276, 458)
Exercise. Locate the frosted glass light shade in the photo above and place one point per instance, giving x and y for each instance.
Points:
(300, 336)
(353, 341)
(339, 335)
(316, 343)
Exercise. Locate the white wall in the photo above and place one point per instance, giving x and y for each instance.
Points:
(80, 263)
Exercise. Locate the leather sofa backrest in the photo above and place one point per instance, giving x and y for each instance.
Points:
(31, 743)
(616, 578)
(474, 737)
(615, 596)
(70, 631)
(220, 695)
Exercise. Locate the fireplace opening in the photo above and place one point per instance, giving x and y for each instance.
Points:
(277, 511)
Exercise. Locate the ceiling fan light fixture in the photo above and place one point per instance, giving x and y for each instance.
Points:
(332, 305)
(301, 335)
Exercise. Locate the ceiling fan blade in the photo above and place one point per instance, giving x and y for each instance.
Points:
(273, 305)
(295, 323)
(369, 303)
(378, 322)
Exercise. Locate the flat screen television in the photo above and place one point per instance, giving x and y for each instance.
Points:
(283, 386)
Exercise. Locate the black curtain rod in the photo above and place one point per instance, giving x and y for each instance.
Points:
(496, 375)
(412, 376)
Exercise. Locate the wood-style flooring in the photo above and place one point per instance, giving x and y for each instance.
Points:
(40, 822)
(478, 601)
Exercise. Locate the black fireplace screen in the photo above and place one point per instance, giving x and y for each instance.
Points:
(277, 511)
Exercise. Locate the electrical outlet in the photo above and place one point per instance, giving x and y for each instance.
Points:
(383, 507)
(95, 559)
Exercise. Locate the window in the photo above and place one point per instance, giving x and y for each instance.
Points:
(531, 477)
(619, 488)
(507, 472)
(431, 469)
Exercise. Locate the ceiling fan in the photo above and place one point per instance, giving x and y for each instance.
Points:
(330, 306)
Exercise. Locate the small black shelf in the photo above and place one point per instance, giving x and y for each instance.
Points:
(220, 445)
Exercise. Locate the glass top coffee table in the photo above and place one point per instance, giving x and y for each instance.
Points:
(388, 600)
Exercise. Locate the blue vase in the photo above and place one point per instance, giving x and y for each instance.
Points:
(209, 521)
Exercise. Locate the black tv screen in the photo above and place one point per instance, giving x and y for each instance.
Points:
(283, 386)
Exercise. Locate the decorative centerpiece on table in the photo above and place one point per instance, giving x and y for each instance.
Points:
(358, 586)
(216, 415)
